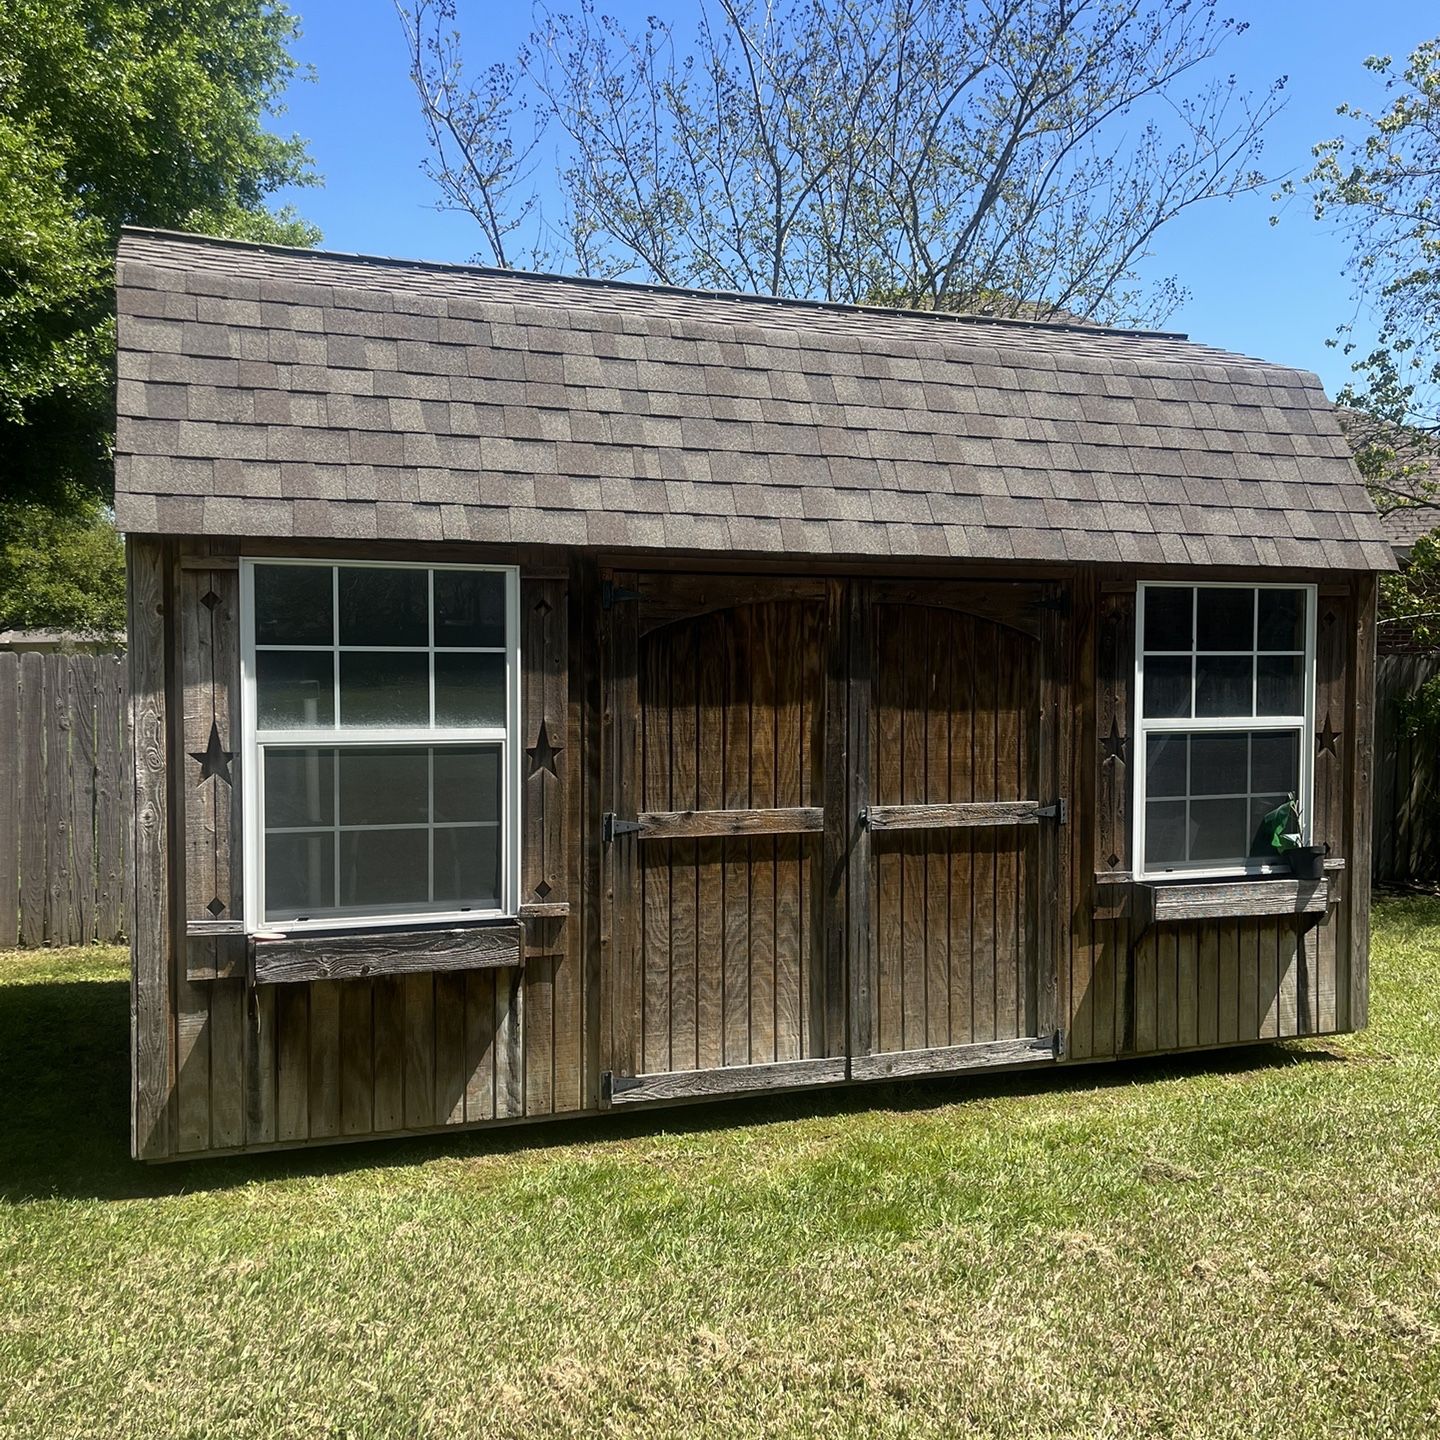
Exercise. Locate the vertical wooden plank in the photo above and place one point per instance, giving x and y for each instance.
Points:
(587, 709)
(1268, 957)
(1288, 937)
(961, 788)
(292, 1089)
(1325, 973)
(387, 1022)
(192, 1065)
(325, 1058)
(260, 1063)
(81, 685)
(539, 1034)
(940, 659)
(816, 999)
(9, 800)
(357, 1057)
(1307, 993)
(623, 864)
(152, 1135)
(791, 978)
(60, 898)
(748, 1021)
(656, 860)
(451, 1073)
(227, 1064)
(419, 1051)
(911, 691)
(34, 831)
(1090, 1019)
(1010, 769)
(1227, 1022)
(1174, 945)
(1208, 998)
(112, 806)
(709, 874)
(479, 1045)
(1103, 1035)
(509, 1050)
(830, 790)
(1145, 990)
(860, 936)
(775, 1004)
(684, 978)
(890, 937)
(1250, 1011)
(1361, 769)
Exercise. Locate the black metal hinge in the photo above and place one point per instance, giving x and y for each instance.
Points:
(1054, 1043)
(612, 825)
(1059, 812)
(612, 594)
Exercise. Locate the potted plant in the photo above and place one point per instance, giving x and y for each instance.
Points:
(1286, 831)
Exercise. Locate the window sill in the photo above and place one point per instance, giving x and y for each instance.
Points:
(359, 955)
(1160, 901)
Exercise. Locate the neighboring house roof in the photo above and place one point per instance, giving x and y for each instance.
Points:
(1417, 466)
(274, 392)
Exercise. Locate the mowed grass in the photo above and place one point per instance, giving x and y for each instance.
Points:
(1237, 1245)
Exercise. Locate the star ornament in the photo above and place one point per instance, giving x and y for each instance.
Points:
(1327, 741)
(214, 759)
(543, 754)
(1113, 744)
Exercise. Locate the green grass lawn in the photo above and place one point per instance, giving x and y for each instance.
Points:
(1238, 1245)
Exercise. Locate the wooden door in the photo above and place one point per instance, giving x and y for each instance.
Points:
(714, 848)
(954, 871)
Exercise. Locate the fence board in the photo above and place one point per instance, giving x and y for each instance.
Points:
(1407, 777)
(65, 804)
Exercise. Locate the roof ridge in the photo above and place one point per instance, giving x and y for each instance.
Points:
(647, 288)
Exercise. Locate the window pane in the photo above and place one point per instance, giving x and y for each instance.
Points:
(1222, 684)
(1165, 765)
(1219, 764)
(1282, 619)
(294, 605)
(384, 869)
(299, 874)
(1275, 763)
(384, 607)
(1164, 833)
(384, 689)
(469, 689)
(1279, 685)
(299, 788)
(1225, 620)
(384, 787)
(294, 689)
(469, 608)
(1168, 618)
(467, 782)
(1219, 829)
(467, 866)
(1167, 687)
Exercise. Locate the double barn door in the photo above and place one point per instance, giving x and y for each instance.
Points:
(832, 830)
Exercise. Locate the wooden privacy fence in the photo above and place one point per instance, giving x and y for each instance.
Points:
(64, 799)
(1407, 777)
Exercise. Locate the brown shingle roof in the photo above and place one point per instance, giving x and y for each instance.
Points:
(282, 392)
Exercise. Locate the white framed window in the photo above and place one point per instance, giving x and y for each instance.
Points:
(381, 723)
(1224, 699)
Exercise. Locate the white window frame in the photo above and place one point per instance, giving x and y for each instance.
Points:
(1144, 728)
(254, 744)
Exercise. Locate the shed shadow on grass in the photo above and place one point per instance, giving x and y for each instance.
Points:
(64, 1126)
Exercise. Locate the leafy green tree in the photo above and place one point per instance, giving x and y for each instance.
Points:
(62, 568)
(115, 112)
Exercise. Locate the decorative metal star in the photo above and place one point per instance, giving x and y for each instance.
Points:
(214, 758)
(1327, 741)
(1113, 744)
(543, 754)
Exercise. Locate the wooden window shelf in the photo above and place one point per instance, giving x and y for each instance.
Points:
(295, 959)
(1159, 901)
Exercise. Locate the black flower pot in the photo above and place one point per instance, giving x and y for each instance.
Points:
(1307, 862)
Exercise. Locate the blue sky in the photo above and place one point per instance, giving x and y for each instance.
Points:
(1273, 291)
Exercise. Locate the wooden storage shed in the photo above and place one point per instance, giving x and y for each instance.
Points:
(552, 695)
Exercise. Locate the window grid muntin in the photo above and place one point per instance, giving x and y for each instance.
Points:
(1302, 725)
(503, 736)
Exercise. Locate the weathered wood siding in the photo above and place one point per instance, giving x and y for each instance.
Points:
(1407, 776)
(64, 810)
(1142, 985)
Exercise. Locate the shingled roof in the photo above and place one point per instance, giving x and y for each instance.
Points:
(274, 392)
